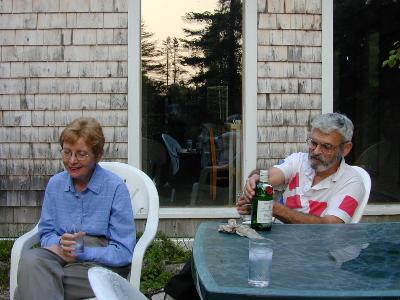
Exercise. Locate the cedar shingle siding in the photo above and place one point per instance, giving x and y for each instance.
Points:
(61, 59)
(289, 76)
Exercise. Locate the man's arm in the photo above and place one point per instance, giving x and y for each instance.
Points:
(291, 216)
(281, 212)
(288, 215)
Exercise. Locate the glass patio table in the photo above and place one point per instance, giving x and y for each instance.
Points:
(354, 261)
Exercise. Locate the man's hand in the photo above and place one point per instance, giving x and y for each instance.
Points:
(243, 204)
(250, 187)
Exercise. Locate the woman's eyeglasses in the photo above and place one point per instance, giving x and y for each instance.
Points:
(79, 155)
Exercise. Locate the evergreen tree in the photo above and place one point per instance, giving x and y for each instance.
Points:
(151, 65)
(216, 50)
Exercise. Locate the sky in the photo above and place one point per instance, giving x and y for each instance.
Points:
(164, 17)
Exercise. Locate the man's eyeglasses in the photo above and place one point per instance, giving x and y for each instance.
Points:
(80, 155)
(324, 147)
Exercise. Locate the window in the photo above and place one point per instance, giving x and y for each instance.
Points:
(220, 107)
(363, 34)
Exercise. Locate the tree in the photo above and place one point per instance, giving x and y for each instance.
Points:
(216, 49)
(167, 59)
(394, 56)
(151, 65)
(172, 68)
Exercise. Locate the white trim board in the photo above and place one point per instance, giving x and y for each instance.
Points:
(134, 85)
(195, 213)
(382, 210)
(226, 213)
(327, 56)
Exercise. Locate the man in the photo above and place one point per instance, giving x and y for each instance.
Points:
(320, 186)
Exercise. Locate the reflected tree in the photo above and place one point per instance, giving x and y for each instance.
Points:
(151, 56)
(216, 50)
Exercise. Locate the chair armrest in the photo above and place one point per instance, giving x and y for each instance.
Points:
(143, 243)
(23, 243)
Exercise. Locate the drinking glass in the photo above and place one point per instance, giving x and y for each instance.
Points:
(79, 243)
(189, 145)
(260, 261)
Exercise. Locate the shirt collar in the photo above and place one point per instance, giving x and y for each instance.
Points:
(340, 171)
(95, 183)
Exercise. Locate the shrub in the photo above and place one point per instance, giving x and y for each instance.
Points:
(5, 254)
(155, 273)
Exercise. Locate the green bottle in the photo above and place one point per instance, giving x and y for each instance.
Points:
(261, 216)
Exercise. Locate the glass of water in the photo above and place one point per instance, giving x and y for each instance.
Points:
(79, 242)
(260, 261)
(189, 145)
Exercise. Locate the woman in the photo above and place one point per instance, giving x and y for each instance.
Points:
(91, 198)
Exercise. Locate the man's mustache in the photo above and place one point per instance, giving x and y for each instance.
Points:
(317, 157)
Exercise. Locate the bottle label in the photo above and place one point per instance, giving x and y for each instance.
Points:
(264, 212)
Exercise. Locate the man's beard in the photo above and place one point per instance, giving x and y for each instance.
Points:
(322, 165)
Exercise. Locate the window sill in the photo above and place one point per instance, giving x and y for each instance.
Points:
(195, 213)
(382, 209)
(230, 212)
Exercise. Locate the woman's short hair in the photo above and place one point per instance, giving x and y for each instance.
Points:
(330, 122)
(88, 129)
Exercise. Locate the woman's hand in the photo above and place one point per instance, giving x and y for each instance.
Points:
(66, 248)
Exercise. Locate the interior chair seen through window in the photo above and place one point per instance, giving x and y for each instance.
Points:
(145, 204)
(173, 148)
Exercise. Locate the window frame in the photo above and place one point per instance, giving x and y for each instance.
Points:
(249, 105)
(327, 93)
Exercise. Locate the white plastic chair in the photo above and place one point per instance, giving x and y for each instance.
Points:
(367, 188)
(108, 285)
(144, 199)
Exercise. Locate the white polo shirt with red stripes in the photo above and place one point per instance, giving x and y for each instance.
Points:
(337, 195)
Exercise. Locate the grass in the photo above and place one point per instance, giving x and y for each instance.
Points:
(155, 271)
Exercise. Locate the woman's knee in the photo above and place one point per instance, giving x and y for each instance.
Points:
(28, 260)
(35, 258)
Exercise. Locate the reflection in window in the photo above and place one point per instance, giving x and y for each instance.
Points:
(367, 92)
(191, 100)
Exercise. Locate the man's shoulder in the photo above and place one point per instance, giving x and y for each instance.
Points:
(348, 179)
(299, 157)
(346, 172)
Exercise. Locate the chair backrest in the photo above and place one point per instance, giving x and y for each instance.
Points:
(145, 201)
(367, 188)
(108, 285)
(173, 148)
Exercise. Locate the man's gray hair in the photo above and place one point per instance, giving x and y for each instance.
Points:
(330, 122)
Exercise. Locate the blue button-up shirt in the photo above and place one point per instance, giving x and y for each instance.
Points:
(102, 209)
